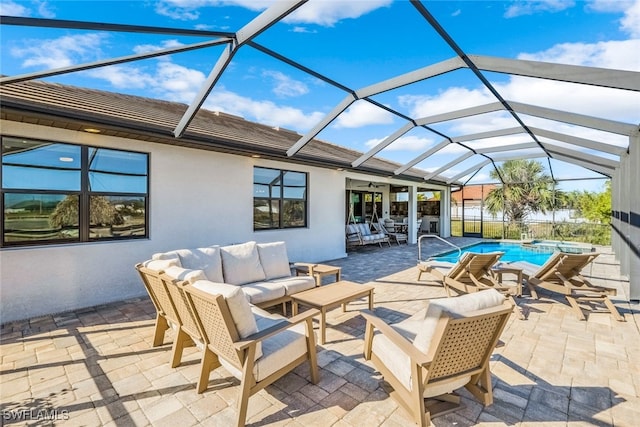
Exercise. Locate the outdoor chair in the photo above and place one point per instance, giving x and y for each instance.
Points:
(562, 274)
(439, 349)
(473, 272)
(391, 233)
(171, 308)
(255, 346)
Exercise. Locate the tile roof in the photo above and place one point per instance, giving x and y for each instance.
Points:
(140, 118)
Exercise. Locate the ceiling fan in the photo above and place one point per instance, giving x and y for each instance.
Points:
(372, 185)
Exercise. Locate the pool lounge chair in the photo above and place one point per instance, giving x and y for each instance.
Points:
(473, 272)
(562, 273)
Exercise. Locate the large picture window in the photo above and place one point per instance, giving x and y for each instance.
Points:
(279, 199)
(56, 193)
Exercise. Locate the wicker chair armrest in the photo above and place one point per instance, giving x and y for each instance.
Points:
(275, 329)
(403, 344)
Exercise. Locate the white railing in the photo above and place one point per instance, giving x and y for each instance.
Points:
(435, 237)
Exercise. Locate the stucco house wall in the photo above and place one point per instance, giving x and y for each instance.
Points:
(197, 198)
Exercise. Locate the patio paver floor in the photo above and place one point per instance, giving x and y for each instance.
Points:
(96, 366)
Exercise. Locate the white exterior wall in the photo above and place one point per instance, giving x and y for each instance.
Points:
(197, 198)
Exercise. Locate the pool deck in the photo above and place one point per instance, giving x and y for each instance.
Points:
(96, 366)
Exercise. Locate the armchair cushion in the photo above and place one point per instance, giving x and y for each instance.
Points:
(241, 264)
(277, 350)
(185, 274)
(162, 264)
(239, 307)
(456, 306)
(274, 260)
(263, 291)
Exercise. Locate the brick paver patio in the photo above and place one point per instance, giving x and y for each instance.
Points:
(96, 366)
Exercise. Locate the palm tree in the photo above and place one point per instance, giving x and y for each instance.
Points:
(526, 189)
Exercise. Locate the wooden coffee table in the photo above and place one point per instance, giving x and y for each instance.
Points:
(319, 271)
(330, 296)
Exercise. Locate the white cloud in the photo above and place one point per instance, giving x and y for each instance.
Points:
(60, 52)
(454, 98)
(608, 54)
(144, 48)
(363, 113)
(285, 86)
(11, 8)
(299, 29)
(583, 99)
(631, 21)
(262, 111)
(532, 7)
(404, 143)
(327, 13)
(45, 11)
(123, 77)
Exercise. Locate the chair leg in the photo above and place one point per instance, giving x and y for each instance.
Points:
(161, 326)
(614, 311)
(208, 363)
(311, 350)
(181, 341)
(576, 307)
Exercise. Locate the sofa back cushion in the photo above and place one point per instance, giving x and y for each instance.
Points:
(241, 264)
(274, 260)
(205, 259)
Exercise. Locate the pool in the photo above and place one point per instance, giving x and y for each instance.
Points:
(569, 247)
(512, 252)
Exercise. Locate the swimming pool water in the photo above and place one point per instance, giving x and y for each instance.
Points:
(512, 252)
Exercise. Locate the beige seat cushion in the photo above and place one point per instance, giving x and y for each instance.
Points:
(295, 284)
(278, 350)
(274, 260)
(260, 292)
(241, 264)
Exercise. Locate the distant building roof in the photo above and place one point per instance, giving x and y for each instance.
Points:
(475, 192)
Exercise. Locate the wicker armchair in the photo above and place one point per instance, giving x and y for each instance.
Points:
(444, 347)
(171, 306)
(253, 345)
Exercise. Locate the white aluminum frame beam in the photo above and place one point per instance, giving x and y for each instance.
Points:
(383, 144)
(510, 147)
(377, 88)
(422, 156)
(591, 122)
(260, 23)
(343, 105)
(468, 171)
(113, 61)
(586, 157)
(448, 165)
(605, 77)
(452, 115)
(424, 73)
(603, 170)
(582, 142)
(458, 114)
(488, 134)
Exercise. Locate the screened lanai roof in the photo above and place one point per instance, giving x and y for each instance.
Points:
(439, 101)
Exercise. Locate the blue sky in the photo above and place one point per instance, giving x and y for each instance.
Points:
(356, 43)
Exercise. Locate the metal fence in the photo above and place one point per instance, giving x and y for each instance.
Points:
(594, 233)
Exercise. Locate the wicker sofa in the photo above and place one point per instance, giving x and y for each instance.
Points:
(261, 270)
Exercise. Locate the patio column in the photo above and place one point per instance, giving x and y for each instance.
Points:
(633, 195)
(413, 214)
